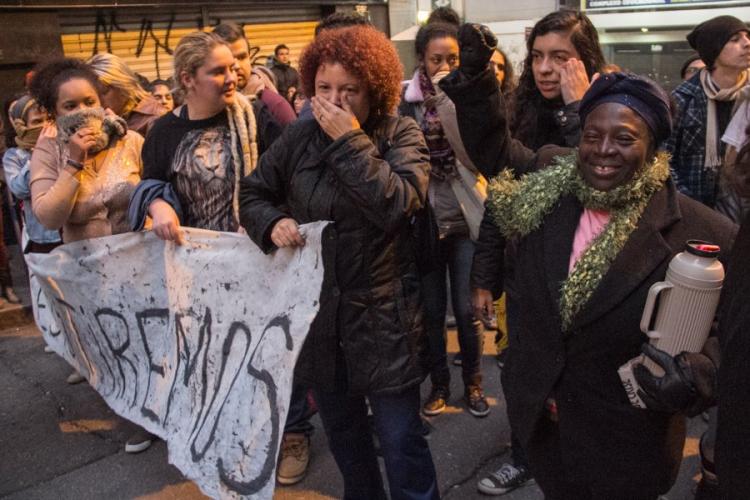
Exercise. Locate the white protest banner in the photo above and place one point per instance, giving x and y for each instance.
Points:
(196, 343)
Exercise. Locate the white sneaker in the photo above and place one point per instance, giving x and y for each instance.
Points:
(75, 378)
(140, 441)
(48, 349)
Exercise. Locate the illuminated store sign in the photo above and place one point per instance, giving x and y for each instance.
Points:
(650, 4)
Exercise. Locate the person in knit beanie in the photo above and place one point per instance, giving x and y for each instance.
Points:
(709, 37)
(715, 92)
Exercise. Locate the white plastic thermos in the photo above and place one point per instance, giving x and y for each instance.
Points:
(680, 310)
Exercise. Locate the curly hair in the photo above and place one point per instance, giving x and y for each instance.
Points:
(530, 124)
(364, 52)
(50, 75)
(340, 20)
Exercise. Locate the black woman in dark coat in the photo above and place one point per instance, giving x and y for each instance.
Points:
(595, 228)
(367, 171)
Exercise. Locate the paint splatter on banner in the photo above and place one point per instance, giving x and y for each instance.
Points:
(195, 343)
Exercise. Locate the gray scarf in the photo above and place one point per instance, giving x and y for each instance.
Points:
(712, 159)
(106, 127)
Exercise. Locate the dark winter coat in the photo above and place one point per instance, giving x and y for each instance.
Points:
(601, 434)
(556, 123)
(687, 144)
(367, 336)
(286, 77)
(733, 434)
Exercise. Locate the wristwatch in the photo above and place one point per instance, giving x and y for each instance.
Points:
(75, 164)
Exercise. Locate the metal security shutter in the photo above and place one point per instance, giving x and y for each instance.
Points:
(266, 30)
(145, 38)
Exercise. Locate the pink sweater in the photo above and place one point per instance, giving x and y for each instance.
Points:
(590, 225)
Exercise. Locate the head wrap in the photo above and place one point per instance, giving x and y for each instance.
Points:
(640, 94)
(20, 107)
(709, 37)
(26, 136)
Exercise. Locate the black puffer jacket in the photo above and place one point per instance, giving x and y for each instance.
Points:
(367, 336)
(286, 77)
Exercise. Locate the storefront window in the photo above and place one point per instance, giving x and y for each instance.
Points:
(659, 61)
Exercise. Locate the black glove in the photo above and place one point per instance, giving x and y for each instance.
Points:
(476, 43)
(688, 385)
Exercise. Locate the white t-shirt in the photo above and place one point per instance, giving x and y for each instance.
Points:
(736, 133)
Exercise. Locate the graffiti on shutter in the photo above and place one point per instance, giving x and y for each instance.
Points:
(146, 42)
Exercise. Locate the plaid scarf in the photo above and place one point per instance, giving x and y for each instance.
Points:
(442, 158)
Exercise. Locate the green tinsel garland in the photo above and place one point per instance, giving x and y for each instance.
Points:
(518, 207)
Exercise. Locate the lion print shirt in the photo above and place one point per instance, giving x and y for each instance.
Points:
(195, 157)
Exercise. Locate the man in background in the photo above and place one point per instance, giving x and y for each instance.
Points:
(287, 78)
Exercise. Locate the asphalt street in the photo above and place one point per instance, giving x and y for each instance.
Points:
(62, 442)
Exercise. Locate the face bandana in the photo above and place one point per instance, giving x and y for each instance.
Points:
(18, 112)
(26, 136)
(105, 127)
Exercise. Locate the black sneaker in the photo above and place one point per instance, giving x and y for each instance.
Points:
(508, 478)
(458, 360)
(435, 404)
(476, 403)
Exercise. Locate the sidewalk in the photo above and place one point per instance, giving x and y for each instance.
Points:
(14, 315)
(63, 442)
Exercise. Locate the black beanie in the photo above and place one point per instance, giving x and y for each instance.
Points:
(709, 37)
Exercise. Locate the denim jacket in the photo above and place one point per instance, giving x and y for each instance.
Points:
(16, 165)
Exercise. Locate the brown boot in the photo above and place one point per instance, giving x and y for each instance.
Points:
(10, 295)
(293, 459)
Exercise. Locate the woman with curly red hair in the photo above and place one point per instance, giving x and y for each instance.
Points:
(363, 168)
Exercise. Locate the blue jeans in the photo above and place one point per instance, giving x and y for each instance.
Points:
(455, 254)
(408, 462)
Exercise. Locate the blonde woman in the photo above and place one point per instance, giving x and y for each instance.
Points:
(194, 156)
(123, 94)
